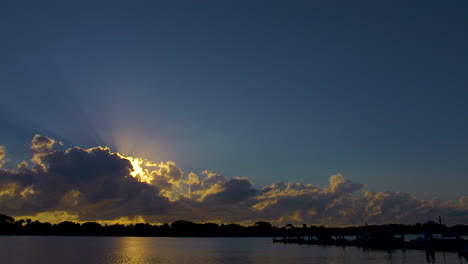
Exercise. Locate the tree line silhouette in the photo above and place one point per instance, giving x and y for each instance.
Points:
(181, 228)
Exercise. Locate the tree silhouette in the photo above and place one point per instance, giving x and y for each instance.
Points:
(5, 219)
(391, 235)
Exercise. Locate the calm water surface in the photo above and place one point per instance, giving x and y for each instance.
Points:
(139, 250)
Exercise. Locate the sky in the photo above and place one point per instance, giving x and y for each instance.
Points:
(335, 112)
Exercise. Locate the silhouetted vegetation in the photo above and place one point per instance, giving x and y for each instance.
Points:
(436, 236)
(10, 226)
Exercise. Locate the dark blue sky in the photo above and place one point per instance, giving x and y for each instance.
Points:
(290, 91)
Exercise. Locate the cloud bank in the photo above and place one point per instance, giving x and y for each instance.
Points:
(97, 184)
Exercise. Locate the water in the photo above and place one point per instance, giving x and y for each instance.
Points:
(148, 250)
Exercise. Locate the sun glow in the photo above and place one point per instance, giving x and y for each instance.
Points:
(142, 174)
(165, 175)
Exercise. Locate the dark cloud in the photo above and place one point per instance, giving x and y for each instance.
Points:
(232, 191)
(342, 203)
(92, 183)
(97, 184)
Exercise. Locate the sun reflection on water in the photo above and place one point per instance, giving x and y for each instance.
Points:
(132, 250)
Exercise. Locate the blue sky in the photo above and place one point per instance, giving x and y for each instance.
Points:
(291, 91)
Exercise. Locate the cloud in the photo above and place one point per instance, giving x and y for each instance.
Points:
(98, 184)
(92, 183)
(341, 203)
(338, 184)
(2, 156)
(306, 202)
(41, 147)
(463, 203)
